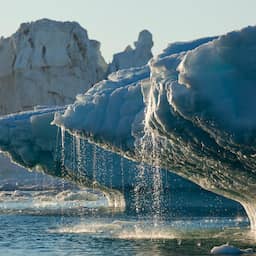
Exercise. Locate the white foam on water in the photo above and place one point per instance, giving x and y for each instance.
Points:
(180, 229)
(119, 230)
(144, 233)
(90, 228)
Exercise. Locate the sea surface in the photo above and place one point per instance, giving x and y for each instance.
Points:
(70, 223)
(41, 215)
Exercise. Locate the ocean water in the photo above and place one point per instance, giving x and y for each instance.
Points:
(115, 235)
(40, 215)
(72, 223)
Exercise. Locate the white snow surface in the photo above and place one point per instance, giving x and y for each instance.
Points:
(47, 63)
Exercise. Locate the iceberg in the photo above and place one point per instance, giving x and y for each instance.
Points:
(227, 249)
(193, 115)
(48, 63)
(40, 62)
(136, 57)
(190, 110)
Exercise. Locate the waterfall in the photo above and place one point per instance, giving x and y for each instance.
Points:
(62, 151)
(122, 173)
(139, 189)
(147, 146)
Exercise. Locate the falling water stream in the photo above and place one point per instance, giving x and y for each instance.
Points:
(148, 143)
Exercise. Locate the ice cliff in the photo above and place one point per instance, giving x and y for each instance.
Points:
(47, 63)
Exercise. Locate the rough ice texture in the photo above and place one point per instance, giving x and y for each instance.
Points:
(211, 87)
(31, 137)
(184, 46)
(109, 108)
(47, 63)
(198, 106)
(96, 111)
(191, 112)
(218, 87)
(136, 57)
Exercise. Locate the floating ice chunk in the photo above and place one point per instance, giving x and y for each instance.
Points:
(227, 249)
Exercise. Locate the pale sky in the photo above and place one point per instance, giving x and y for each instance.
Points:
(116, 23)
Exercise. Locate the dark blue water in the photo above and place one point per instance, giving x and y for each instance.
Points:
(117, 234)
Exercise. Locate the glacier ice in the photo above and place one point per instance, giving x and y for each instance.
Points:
(139, 56)
(221, 77)
(189, 110)
(227, 249)
(198, 108)
(40, 62)
(48, 62)
(31, 141)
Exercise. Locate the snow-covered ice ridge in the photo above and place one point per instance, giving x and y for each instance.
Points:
(190, 110)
